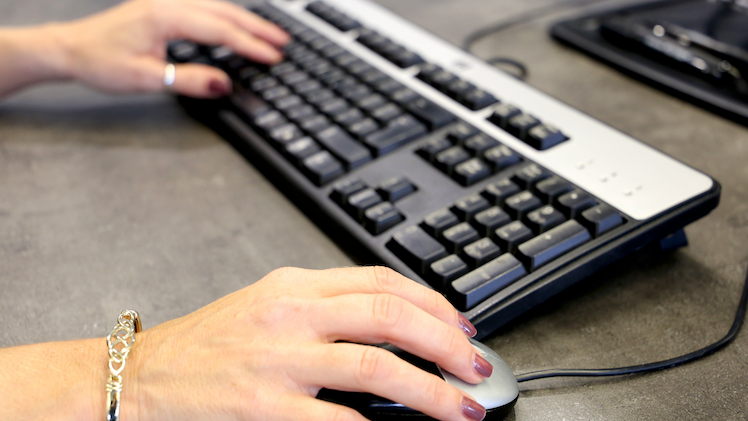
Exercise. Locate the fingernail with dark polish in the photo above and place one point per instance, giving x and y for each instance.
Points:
(466, 326)
(483, 367)
(217, 87)
(472, 410)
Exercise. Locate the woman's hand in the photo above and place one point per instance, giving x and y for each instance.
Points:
(123, 49)
(264, 352)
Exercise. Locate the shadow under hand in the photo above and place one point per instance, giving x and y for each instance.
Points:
(54, 114)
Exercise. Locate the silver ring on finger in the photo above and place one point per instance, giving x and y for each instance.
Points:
(170, 75)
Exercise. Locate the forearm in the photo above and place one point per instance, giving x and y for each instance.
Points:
(54, 381)
(30, 55)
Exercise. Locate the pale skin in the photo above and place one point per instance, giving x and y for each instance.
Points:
(263, 352)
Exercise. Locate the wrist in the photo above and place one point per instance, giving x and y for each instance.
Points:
(34, 54)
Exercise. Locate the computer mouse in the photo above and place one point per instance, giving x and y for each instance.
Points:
(497, 394)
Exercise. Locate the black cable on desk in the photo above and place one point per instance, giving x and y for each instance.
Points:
(497, 27)
(661, 365)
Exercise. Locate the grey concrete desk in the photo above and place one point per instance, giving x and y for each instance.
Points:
(97, 192)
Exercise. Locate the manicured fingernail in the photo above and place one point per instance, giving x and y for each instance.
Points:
(472, 410)
(466, 326)
(217, 87)
(483, 367)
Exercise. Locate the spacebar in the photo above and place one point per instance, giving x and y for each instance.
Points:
(476, 286)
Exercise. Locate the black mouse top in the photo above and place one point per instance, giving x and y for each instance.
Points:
(497, 394)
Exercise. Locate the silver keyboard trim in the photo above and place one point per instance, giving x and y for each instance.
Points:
(629, 175)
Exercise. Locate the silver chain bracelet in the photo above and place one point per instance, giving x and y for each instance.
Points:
(119, 341)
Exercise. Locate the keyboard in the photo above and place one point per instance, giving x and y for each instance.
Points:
(417, 155)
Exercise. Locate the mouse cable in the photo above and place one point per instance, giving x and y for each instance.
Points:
(646, 368)
(528, 16)
(522, 70)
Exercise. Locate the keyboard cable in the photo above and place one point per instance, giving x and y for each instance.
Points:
(533, 14)
(660, 365)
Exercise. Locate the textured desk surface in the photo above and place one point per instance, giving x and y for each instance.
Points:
(99, 192)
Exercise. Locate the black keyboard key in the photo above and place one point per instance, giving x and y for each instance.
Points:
(546, 247)
(356, 92)
(433, 115)
(183, 51)
(468, 207)
(551, 188)
(416, 249)
(306, 86)
(319, 96)
(406, 58)
(436, 222)
(349, 117)
(601, 219)
(332, 51)
(543, 219)
(458, 236)
(396, 188)
(363, 128)
(444, 271)
(480, 252)
(322, 167)
(294, 77)
(344, 147)
(478, 100)
(300, 113)
(386, 113)
(521, 204)
(521, 124)
(480, 143)
(263, 83)
(372, 76)
(288, 102)
(270, 120)
(283, 68)
(315, 124)
(388, 86)
(501, 157)
(497, 192)
(471, 171)
(469, 290)
(489, 220)
(301, 149)
(574, 203)
(441, 80)
(379, 218)
(404, 96)
(448, 159)
(511, 235)
(461, 132)
(345, 188)
(276, 93)
(430, 149)
(543, 137)
(285, 133)
(396, 134)
(371, 102)
(249, 104)
(502, 114)
(334, 107)
(359, 202)
(427, 71)
(459, 88)
(530, 175)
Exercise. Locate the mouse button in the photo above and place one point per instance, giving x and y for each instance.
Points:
(499, 390)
